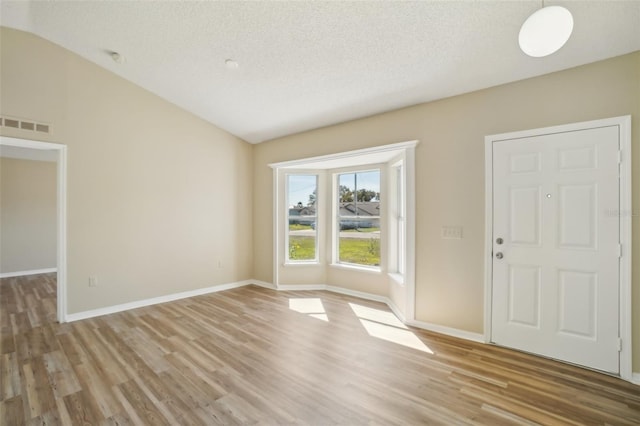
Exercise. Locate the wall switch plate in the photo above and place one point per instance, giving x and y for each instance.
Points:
(451, 232)
(93, 281)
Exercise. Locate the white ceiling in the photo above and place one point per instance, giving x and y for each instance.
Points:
(304, 65)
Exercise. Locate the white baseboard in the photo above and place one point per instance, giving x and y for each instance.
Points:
(635, 378)
(263, 284)
(355, 293)
(31, 272)
(369, 296)
(154, 301)
(301, 287)
(454, 332)
(449, 331)
(394, 308)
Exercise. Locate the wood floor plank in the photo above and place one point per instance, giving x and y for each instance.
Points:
(143, 406)
(101, 396)
(81, 411)
(61, 376)
(12, 411)
(244, 357)
(10, 384)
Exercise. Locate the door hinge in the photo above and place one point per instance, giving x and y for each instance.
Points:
(619, 344)
(619, 157)
(619, 251)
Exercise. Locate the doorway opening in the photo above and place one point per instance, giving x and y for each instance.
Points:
(47, 151)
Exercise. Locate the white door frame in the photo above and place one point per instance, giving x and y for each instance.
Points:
(62, 213)
(625, 211)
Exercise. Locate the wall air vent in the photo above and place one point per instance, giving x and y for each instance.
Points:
(28, 125)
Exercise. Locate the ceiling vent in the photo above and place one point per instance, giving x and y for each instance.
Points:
(31, 126)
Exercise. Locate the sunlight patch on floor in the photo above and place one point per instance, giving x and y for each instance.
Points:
(386, 326)
(312, 307)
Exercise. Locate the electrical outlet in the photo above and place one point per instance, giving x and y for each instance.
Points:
(219, 264)
(452, 232)
(93, 281)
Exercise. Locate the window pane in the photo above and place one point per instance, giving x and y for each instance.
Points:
(347, 187)
(360, 241)
(359, 218)
(302, 232)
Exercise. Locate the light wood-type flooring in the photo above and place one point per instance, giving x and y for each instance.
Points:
(257, 356)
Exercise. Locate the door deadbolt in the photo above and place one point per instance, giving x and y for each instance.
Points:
(499, 240)
(499, 255)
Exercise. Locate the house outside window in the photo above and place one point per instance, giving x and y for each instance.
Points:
(302, 229)
(358, 218)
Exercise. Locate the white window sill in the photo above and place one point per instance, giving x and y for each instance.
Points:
(309, 263)
(397, 278)
(358, 268)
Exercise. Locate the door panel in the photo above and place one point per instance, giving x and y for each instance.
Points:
(577, 303)
(524, 295)
(524, 216)
(555, 290)
(577, 208)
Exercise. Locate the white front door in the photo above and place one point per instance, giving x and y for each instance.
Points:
(556, 246)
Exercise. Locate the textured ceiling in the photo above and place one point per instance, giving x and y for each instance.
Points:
(304, 65)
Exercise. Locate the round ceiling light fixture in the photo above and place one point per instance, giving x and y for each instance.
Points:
(545, 31)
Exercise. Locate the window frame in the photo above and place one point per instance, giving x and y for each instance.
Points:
(398, 221)
(335, 223)
(287, 259)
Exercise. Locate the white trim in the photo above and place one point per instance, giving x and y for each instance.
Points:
(294, 263)
(24, 273)
(624, 125)
(346, 154)
(394, 308)
(276, 226)
(488, 236)
(396, 277)
(156, 300)
(62, 234)
(410, 232)
(626, 239)
(347, 292)
(263, 284)
(358, 294)
(449, 331)
(301, 287)
(355, 267)
(62, 213)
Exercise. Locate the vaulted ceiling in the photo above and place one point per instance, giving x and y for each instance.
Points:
(303, 65)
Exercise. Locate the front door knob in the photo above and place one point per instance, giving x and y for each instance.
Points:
(499, 255)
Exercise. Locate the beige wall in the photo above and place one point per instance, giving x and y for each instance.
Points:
(450, 173)
(156, 196)
(27, 215)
